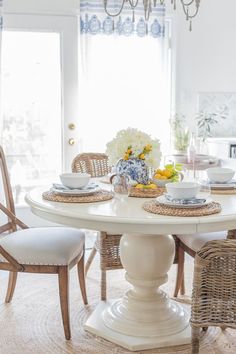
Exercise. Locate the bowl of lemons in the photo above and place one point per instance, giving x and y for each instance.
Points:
(170, 173)
(149, 185)
(149, 190)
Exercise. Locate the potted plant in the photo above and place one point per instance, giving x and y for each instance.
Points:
(180, 134)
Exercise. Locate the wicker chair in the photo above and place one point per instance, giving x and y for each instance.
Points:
(191, 244)
(108, 246)
(214, 288)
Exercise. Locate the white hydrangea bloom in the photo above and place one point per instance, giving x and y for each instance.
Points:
(116, 148)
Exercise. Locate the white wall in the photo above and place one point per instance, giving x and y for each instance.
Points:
(205, 57)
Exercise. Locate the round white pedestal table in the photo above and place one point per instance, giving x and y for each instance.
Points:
(144, 317)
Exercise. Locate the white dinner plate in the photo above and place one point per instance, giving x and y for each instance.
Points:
(162, 200)
(105, 179)
(75, 192)
(228, 185)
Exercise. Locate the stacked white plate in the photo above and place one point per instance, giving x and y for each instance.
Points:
(226, 185)
(183, 203)
(90, 189)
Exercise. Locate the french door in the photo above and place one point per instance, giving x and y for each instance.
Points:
(39, 98)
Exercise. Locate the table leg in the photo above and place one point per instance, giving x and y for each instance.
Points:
(145, 317)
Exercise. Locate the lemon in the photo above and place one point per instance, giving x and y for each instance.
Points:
(152, 186)
(167, 173)
(139, 185)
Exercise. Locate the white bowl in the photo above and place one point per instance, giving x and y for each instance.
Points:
(180, 158)
(183, 190)
(160, 182)
(220, 174)
(75, 180)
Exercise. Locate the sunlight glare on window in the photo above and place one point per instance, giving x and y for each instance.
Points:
(31, 113)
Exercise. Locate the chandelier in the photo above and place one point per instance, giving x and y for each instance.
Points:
(190, 8)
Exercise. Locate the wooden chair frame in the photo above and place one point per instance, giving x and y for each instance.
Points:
(13, 266)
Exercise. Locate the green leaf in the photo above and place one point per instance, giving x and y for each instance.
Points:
(169, 167)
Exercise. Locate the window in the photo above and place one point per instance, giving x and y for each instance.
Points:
(39, 89)
(31, 113)
(124, 82)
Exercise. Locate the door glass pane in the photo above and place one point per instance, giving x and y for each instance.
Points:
(30, 127)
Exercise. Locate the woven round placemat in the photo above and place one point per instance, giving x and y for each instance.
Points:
(223, 191)
(153, 207)
(145, 192)
(99, 196)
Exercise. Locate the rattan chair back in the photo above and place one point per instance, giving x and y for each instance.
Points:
(95, 164)
(214, 288)
(214, 285)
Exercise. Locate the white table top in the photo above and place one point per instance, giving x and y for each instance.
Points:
(125, 214)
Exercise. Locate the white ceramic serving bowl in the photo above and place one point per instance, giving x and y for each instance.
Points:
(179, 158)
(220, 174)
(160, 182)
(75, 180)
(183, 190)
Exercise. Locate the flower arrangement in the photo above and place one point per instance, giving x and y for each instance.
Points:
(141, 155)
(131, 143)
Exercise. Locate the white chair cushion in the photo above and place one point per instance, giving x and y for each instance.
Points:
(196, 241)
(44, 246)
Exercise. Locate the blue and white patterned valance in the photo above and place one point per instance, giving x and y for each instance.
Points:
(94, 20)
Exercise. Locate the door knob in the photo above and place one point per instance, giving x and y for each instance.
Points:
(71, 141)
(71, 126)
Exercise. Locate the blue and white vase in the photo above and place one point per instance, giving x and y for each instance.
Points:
(135, 168)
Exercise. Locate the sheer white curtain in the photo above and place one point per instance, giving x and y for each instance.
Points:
(124, 76)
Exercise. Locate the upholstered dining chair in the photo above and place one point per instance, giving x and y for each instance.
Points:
(214, 288)
(108, 245)
(49, 250)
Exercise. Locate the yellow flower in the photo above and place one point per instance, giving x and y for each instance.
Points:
(142, 156)
(148, 147)
(126, 157)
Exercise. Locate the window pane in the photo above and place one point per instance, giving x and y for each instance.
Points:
(31, 113)
(126, 81)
